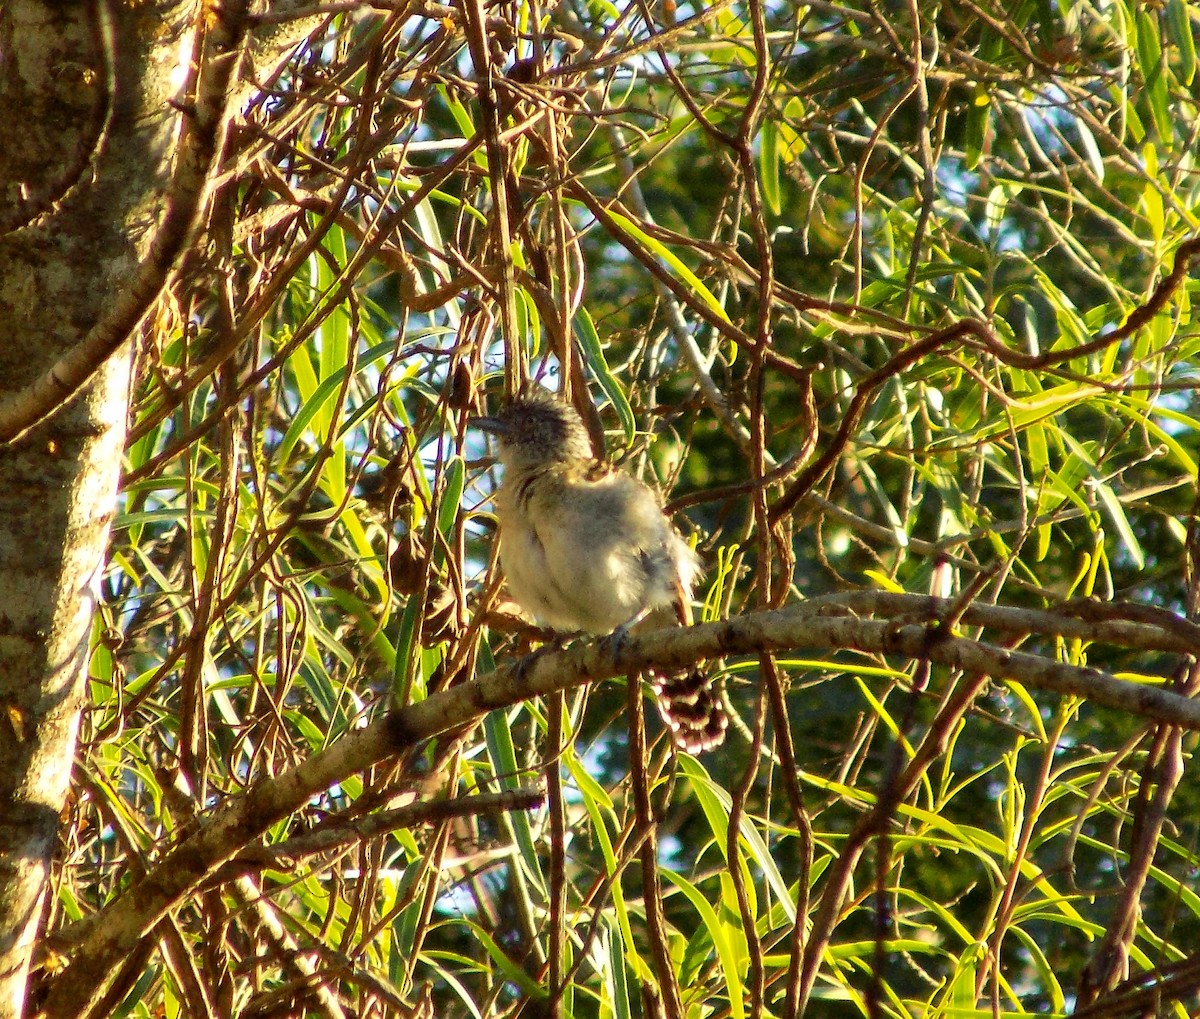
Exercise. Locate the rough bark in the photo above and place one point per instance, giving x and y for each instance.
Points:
(83, 172)
(98, 944)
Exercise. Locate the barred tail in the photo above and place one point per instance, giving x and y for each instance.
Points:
(693, 709)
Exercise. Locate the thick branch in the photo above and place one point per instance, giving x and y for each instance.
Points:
(114, 932)
(218, 53)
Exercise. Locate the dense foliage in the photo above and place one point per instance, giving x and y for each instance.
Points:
(888, 298)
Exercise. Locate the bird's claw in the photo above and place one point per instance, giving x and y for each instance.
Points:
(615, 642)
(552, 643)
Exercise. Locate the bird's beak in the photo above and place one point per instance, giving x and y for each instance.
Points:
(491, 425)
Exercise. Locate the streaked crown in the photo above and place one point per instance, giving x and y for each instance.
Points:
(536, 428)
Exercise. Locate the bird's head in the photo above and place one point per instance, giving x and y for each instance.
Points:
(536, 429)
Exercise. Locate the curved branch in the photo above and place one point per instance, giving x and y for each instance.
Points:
(96, 944)
(859, 403)
(982, 334)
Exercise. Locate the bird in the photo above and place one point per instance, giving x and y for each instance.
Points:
(586, 547)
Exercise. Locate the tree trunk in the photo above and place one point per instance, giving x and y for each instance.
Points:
(83, 172)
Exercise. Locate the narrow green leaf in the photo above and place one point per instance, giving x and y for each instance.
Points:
(1046, 971)
(504, 764)
(1116, 513)
(768, 165)
(335, 330)
(593, 353)
(976, 130)
(317, 396)
(459, 112)
(1180, 24)
(1090, 148)
(731, 27)
(1152, 200)
(589, 788)
(1150, 58)
(673, 261)
(516, 974)
(402, 685)
(726, 954)
(615, 977)
(452, 491)
(885, 582)
(716, 803)
(997, 205)
(791, 140)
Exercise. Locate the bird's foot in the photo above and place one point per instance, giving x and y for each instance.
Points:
(552, 642)
(615, 642)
